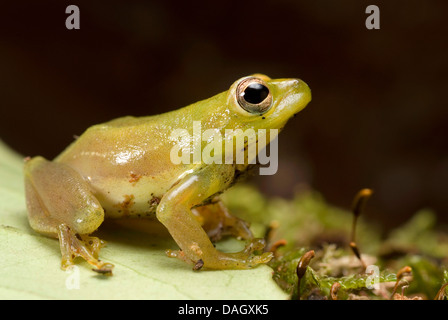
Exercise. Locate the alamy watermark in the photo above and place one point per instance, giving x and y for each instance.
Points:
(373, 280)
(373, 20)
(72, 21)
(234, 146)
(72, 282)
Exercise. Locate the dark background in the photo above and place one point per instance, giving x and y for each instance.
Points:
(378, 117)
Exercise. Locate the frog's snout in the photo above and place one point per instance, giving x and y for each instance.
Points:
(299, 86)
(297, 96)
(294, 82)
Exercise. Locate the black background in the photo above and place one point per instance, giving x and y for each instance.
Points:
(378, 117)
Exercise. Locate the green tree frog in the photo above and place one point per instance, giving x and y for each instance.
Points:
(123, 168)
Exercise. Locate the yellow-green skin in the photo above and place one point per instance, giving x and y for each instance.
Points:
(124, 167)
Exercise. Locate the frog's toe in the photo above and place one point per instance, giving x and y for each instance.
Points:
(93, 244)
(105, 268)
(253, 253)
(263, 258)
(179, 254)
(256, 244)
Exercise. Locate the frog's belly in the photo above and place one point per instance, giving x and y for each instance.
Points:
(135, 197)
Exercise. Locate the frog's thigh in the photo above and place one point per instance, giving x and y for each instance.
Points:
(57, 194)
(61, 205)
(218, 222)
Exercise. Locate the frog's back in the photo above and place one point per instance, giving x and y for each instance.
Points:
(140, 144)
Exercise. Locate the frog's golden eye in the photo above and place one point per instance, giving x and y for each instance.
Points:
(253, 95)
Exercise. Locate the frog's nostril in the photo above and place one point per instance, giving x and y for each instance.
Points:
(293, 83)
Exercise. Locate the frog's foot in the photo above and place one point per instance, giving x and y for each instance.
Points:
(74, 245)
(248, 258)
(218, 222)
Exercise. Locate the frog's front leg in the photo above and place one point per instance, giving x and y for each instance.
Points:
(174, 211)
(61, 205)
(217, 221)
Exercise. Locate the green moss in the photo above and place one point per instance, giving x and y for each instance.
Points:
(308, 222)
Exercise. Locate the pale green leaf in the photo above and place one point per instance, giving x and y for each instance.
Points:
(30, 263)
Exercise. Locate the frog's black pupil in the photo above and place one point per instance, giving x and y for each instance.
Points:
(255, 93)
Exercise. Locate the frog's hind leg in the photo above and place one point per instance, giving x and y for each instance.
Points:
(217, 221)
(174, 212)
(61, 205)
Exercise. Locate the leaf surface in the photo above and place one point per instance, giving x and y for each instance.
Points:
(30, 263)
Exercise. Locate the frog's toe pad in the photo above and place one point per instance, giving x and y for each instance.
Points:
(105, 268)
(179, 254)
